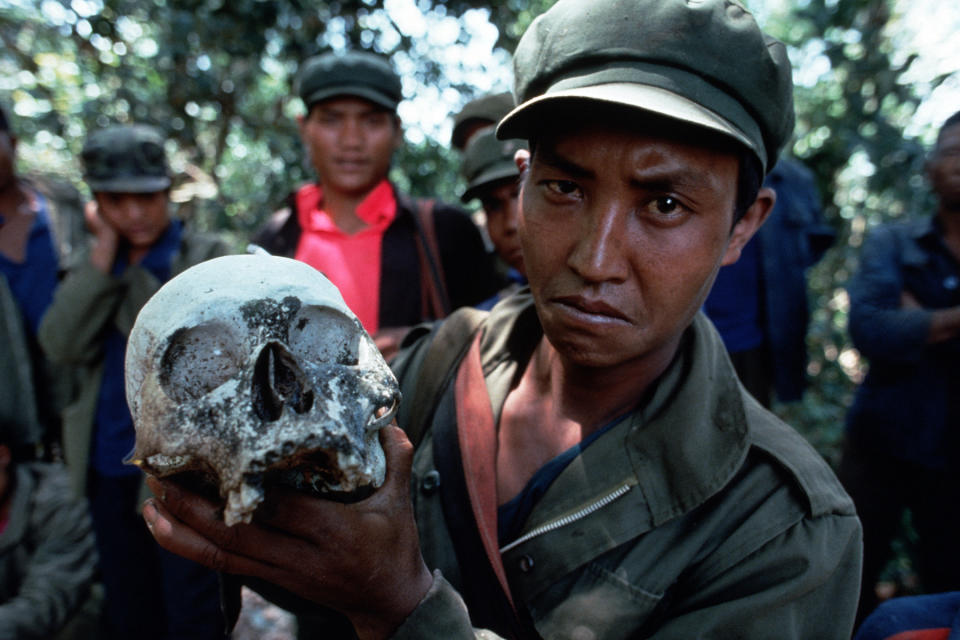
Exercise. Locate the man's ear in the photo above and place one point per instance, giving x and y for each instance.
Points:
(749, 224)
(397, 135)
(522, 159)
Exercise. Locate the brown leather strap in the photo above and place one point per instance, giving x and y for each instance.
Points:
(435, 303)
(477, 435)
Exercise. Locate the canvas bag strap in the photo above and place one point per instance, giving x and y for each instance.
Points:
(435, 303)
(438, 366)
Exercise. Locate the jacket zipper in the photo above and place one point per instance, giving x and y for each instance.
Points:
(565, 520)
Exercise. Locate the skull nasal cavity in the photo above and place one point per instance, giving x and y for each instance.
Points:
(278, 381)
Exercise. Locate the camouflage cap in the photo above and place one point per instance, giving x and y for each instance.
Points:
(125, 159)
(485, 109)
(357, 73)
(487, 160)
(706, 63)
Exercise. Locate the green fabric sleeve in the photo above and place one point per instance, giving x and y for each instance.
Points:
(83, 304)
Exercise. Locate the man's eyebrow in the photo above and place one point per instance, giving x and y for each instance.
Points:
(553, 159)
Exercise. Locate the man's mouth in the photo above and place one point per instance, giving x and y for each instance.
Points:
(591, 307)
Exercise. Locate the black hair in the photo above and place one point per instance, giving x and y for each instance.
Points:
(749, 181)
(951, 121)
(4, 120)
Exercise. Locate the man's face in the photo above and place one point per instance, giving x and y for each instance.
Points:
(623, 232)
(139, 218)
(944, 168)
(8, 146)
(501, 204)
(350, 142)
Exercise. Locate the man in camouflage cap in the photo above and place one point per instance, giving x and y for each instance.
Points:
(135, 247)
(590, 467)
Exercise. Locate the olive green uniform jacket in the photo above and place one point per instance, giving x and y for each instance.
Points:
(699, 516)
(72, 331)
(47, 554)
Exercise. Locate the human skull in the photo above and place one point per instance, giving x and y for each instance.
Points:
(250, 369)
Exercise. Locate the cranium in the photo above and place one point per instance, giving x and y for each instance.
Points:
(250, 369)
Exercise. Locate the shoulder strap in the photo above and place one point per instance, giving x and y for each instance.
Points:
(433, 287)
(437, 368)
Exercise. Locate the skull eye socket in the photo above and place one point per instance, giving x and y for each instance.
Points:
(197, 360)
(324, 336)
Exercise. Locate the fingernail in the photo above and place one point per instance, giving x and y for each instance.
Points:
(149, 514)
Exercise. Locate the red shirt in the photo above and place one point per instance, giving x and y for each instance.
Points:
(349, 261)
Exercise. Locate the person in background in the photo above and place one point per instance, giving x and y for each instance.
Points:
(759, 304)
(902, 446)
(396, 261)
(136, 247)
(47, 554)
(37, 220)
(492, 177)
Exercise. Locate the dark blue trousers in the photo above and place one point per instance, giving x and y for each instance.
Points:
(151, 594)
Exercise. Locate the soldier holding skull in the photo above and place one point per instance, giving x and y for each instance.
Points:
(590, 466)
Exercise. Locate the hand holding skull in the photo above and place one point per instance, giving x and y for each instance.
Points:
(361, 558)
(248, 377)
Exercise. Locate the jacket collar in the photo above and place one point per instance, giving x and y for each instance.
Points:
(679, 448)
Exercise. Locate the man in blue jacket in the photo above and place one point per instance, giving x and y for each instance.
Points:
(903, 444)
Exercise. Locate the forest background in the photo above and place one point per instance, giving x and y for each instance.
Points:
(216, 76)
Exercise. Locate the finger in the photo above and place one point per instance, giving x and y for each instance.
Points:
(314, 518)
(174, 536)
(197, 530)
(399, 454)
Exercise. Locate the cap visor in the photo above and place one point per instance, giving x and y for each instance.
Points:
(524, 120)
(355, 91)
(494, 174)
(139, 184)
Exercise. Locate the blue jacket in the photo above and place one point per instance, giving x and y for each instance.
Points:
(792, 240)
(903, 407)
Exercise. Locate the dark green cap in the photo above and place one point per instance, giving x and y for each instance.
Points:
(125, 159)
(705, 62)
(487, 160)
(487, 109)
(357, 73)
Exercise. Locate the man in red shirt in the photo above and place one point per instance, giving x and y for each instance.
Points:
(396, 261)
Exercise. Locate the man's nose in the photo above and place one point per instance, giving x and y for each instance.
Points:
(598, 255)
(351, 133)
(135, 209)
(512, 217)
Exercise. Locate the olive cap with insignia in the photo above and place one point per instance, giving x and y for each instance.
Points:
(706, 63)
(358, 74)
(126, 158)
(487, 160)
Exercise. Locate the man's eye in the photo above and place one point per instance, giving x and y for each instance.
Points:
(562, 187)
(666, 204)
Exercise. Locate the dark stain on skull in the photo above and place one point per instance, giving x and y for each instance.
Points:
(270, 317)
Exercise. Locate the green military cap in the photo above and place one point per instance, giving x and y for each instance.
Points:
(485, 109)
(125, 159)
(704, 62)
(357, 73)
(487, 160)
